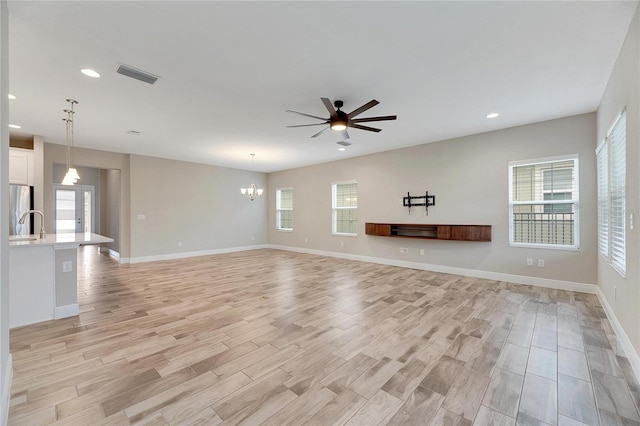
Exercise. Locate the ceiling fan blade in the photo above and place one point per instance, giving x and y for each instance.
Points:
(307, 115)
(307, 125)
(345, 135)
(382, 118)
(358, 126)
(321, 132)
(329, 106)
(363, 108)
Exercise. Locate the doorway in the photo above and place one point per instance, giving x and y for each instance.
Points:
(74, 209)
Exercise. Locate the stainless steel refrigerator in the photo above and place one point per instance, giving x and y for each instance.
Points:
(20, 201)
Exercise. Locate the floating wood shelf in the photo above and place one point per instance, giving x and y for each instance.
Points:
(430, 232)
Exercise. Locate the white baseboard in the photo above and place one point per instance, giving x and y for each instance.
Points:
(6, 391)
(489, 275)
(66, 311)
(110, 252)
(184, 255)
(627, 347)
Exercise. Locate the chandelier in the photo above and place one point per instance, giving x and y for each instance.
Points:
(252, 192)
(72, 174)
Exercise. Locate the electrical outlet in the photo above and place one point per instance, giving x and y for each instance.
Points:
(67, 266)
(253, 238)
(179, 243)
(404, 250)
(529, 261)
(306, 240)
(141, 216)
(422, 252)
(541, 263)
(341, 243)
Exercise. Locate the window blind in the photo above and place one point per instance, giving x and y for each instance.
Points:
(602, 158)
(617, 146)
(284, 209)
(345, 208)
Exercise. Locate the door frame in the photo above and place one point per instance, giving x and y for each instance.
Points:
(80, 190)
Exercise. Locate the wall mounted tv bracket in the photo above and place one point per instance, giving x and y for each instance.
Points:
(414, 201)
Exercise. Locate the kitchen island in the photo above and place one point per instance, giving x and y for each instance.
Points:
(43, 278)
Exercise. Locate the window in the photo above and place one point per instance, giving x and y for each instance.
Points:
(284, 209)
(611, 161)
(345, 208)
(557, 185)
(543, 203)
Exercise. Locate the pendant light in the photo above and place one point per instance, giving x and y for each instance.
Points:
(252, 192)
(72, 174)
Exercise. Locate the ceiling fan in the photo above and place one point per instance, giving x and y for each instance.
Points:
(339, 120)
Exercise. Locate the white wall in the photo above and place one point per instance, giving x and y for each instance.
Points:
(197, 205)
(623, 91)
(469, 177)
(5, 368)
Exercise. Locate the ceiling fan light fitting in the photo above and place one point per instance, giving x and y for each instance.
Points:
(338, 125)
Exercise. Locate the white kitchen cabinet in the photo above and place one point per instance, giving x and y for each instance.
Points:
(21, 166)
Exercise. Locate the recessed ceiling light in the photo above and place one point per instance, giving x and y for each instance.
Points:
(493, 115)
(90, 73)
(343, 145)
(10, 96)
(15, 126)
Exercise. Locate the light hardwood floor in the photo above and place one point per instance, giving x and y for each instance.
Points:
(278, 338)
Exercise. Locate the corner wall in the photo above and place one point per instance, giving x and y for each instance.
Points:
(623, 91)
(110, 207)
(469, 177)
(5, 358)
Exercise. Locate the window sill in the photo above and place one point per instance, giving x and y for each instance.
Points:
(544, 246)
(284, 230)
(338, 234)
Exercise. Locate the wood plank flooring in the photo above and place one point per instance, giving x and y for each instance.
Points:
(278, 338)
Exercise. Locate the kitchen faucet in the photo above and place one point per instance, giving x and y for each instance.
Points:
(24, 216)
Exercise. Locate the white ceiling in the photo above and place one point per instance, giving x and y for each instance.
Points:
(229, 70)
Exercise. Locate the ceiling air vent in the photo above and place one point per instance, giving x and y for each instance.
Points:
(343, 143)
(137, 74)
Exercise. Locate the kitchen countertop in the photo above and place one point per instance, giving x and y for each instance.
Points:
(59, 240)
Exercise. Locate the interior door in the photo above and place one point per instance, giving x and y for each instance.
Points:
(74, 208)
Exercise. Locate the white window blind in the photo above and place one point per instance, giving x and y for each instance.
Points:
(602, 158)
(543, 203)
(345, 208)
(617, 153)
(284, 209)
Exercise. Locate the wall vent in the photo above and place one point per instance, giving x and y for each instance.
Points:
(137, 74)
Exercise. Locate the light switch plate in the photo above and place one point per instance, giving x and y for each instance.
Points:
(67, 266)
